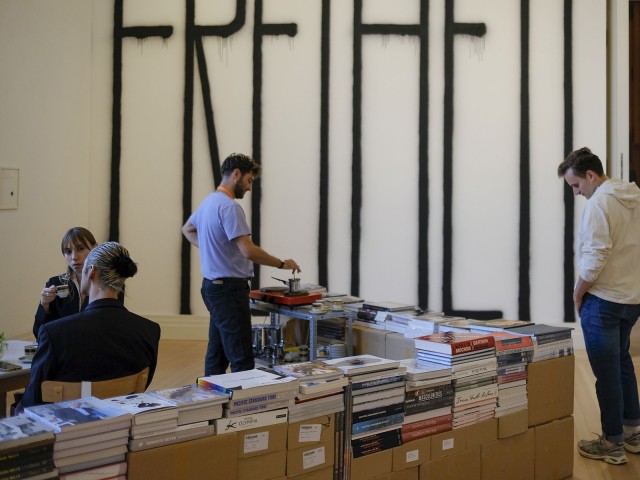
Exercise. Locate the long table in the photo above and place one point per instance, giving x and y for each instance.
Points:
(17, 379)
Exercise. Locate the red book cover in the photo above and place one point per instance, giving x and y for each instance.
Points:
(455, 343)
(506, 341)
(426, 423)
(416, 434)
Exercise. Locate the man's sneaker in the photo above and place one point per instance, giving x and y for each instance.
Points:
(632, 443)
(601, 449)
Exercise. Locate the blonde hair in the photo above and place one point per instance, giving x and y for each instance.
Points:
(113, 263)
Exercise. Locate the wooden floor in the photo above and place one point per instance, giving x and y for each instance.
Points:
(181, 362)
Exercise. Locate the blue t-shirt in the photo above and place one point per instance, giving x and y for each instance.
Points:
(219, 220)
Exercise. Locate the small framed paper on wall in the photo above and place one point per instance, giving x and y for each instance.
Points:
(9, 188)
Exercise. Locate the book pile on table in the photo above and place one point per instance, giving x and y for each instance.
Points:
(428, 400)
(320, 392)
(422, 324)
(513, 353)
(472, 359)
(155, 421)
(376, 314)
(549, 341)
(260, 391)
(26, 448)
(89, 432)
(195, 404)
(376, 402)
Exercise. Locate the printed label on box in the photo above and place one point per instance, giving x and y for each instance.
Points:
(256, 442)
(413, 456)
(313, 458)
(309, 433)
(447, 444)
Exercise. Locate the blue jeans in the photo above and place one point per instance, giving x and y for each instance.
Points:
(230, 340)
(607, 331)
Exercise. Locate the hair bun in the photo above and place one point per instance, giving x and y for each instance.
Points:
(125, 266)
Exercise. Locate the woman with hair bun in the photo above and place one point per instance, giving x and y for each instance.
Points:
(61, 295)
(103, 341)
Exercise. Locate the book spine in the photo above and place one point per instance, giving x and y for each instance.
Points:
(376, 382)
(503, 350)
(9, 470)
(421, 407)
(234, 412)
(212, 386)
(513, 358)
(417, 434)
(456, 348)
(20, 455)
(467, 397)
(268, 398)
(108, 471)
(169, 439)
(552, 337)
(378, 446)
(377, 423)
(377, 412)
(26, 472)
(511, 377)
(429, 393)
(427, 423)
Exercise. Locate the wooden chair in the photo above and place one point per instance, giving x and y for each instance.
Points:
(53, 391)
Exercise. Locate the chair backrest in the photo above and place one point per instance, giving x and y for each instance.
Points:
(53, 391)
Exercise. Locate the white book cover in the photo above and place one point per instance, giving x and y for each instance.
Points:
(246, 422)
(145, 408)
(190, 396)
(358, 364)
(250, 383)
(21, 430)
(82, 414)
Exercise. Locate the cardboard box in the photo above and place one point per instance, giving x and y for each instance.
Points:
(263, 467)
(550, 389)
(369, 341)
(464, 465)
(448, 443)
(513, 423)
(406, 474)
(306, 459)
(192, 459)
(399, 347)
(411, 454)
(260, 441)
(308, 432)
(481, 433)
(509, 457)
(324, 474)
(369, 466)
(554, 449)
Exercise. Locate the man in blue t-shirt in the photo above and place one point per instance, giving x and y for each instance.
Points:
(227, 254)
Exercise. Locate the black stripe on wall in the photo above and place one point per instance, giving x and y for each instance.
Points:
(524, 285)
(323, 214)
(569, 275)
(451, 28)
(422, 31)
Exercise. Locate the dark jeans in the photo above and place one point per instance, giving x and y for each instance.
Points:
(607, 331)
(230, 340)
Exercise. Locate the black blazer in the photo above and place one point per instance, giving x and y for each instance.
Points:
(102, 342)
(62, 307)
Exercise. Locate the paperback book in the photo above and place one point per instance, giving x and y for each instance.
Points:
(454, 343)
(250, 383)
(90, 415)
(21, 430)
(359, 364)
(146, 408)
(309, 371)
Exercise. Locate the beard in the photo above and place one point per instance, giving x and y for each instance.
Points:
(238, 191)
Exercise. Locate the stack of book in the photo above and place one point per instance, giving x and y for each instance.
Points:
(321, 389)
(253, 391)
(473, 361)
(263, 394)
(154, 421)
(495, 325)
(26, 448)
(376, 314)
(549, 341)
(194, 404)
(376, 402)
(428, 400)
(513, 353)
(89, 432)
(422, 324)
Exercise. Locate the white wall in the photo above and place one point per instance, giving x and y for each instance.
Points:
(55, 125)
